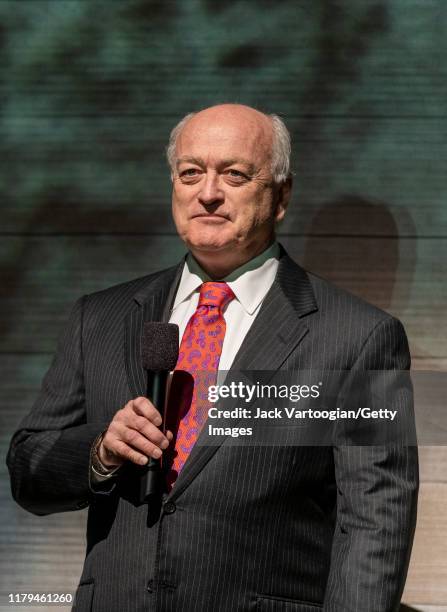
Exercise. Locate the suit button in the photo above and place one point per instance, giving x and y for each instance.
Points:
(169, 508)
(150, 586)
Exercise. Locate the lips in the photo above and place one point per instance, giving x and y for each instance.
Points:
(208, 216)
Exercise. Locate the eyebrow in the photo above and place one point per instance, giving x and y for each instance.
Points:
(192, 160)
(224, 163)
(239, 160)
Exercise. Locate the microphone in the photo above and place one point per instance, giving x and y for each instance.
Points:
(159, 353)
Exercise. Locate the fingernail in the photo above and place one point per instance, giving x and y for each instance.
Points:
(157, 453)
(143, 460)
(164, 444)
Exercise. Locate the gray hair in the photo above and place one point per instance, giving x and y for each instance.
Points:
(281, 147)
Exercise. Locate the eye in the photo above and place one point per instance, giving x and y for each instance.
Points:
(236, 176)
(189, 175)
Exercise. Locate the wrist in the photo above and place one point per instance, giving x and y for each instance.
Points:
(105, 457)
(101, 464)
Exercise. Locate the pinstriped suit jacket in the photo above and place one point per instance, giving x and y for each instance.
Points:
(272, 529)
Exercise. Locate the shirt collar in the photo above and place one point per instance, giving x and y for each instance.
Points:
(250, 282)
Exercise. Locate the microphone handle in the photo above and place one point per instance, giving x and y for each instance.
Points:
(150, 483)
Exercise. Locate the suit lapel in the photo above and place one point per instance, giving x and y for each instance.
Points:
(276, 332)
(278, 328)
(153, 303)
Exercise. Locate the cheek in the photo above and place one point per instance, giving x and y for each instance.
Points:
(180, 220)
(179, 205)
(266, 210)
(255, 211)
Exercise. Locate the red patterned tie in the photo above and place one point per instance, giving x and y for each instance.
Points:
(199, 354)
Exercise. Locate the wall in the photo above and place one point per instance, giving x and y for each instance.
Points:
(90, 91)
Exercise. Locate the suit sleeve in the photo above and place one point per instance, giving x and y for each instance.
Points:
(49, 455)
(377, 489)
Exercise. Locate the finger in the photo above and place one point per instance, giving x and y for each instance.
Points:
(130, 454)
(144, 407)
(148, 429)
(137, 441)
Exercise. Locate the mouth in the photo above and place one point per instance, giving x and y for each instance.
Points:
(211, 217)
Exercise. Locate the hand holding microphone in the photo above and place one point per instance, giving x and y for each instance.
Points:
(134, 435)
(134, 432)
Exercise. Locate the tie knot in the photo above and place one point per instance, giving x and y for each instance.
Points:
(215, 294)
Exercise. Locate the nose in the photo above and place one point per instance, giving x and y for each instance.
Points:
(211, 193)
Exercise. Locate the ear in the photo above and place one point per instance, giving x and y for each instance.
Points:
(283, 194)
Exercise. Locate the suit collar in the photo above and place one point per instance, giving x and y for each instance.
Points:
(291, 280)
(280, 324)
(166, 280)
(250, 282)
(295, 285)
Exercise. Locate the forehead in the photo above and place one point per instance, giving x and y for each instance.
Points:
(226, 136)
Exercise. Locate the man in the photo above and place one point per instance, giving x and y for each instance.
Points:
(242, 527)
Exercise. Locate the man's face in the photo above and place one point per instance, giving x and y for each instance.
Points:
(223, 197)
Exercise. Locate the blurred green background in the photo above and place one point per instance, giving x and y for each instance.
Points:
(89, 92)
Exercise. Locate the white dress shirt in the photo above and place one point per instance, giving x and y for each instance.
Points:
(250, 284)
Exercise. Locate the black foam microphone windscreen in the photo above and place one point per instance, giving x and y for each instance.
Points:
(159, 354)
(159, 346)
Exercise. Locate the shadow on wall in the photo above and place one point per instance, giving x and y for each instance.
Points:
(355, 243)
(404, 608)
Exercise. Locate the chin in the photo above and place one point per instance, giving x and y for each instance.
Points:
(209, 246)
(210, 241)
